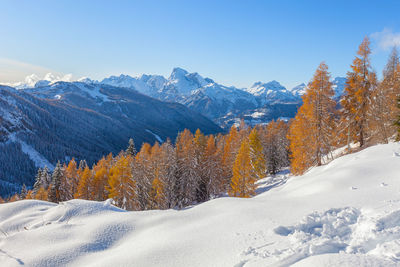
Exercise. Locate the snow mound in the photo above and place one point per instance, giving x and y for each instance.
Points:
(343, 230)
(309, 220)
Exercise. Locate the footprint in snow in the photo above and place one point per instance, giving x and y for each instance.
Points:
(396, 154)
(383, 184)
(353, 188)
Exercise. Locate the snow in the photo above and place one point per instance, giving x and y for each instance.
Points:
(158, 138)
(34, 80)
(38, 159)
(309, 220)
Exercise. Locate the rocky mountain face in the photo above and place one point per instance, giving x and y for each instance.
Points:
(260, 103)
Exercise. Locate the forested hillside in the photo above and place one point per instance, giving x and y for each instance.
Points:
(80, 121)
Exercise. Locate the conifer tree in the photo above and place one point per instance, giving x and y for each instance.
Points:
(256, 154)
(168, 172)
(275, 146)
(357, 98)
(24, 192)
(131, 150)
(70, 181)
(29, 194)
(38, 181)
(230, 149)
(383, 114)
(200, 165)
(100, 180)
(311, 133)
(84, 189)
(143, 174)
(121, 186)
(244, 177)
(187, 183)
(46, 177)
(54, 189)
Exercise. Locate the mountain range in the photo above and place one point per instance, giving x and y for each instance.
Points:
(225, 105)
(56, 119)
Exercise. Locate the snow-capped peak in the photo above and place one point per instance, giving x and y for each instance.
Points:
(299, 90)
(181, 82)
(260, 88)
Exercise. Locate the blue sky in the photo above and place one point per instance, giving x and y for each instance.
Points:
(233, 42)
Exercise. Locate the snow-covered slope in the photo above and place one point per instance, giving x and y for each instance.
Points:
(299, 90)
(145, 84)
(272, 92)
(346, 213)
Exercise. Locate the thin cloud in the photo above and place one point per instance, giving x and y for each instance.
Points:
(13, 70)
(386, 39)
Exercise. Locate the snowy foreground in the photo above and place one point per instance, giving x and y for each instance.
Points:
(346, 213)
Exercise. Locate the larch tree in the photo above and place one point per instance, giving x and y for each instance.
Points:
(383, 112)
(356, 101)
(143, 174)
(71, 179)
(100, 179)
(275, 146)
(231, 146)
(85, 189)
(187, 182)
(244, 176)
(121, 186)
(256, 154)
(311, 132)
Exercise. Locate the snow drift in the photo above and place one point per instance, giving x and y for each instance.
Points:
(345, 213)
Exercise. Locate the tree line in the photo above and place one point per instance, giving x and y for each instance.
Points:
(367, 113)
(197, 168)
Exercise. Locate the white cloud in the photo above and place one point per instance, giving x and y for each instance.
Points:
(386, 39)
(19, 74)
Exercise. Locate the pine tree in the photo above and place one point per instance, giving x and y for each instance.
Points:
(244, 177)
(38, 181)
(45, 178)
(357, 99)
(131, 150)
(256, 154)
(24, 192)
(54, 189)
(311, 132)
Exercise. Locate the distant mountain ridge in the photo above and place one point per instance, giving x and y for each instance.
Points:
(225, 105)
